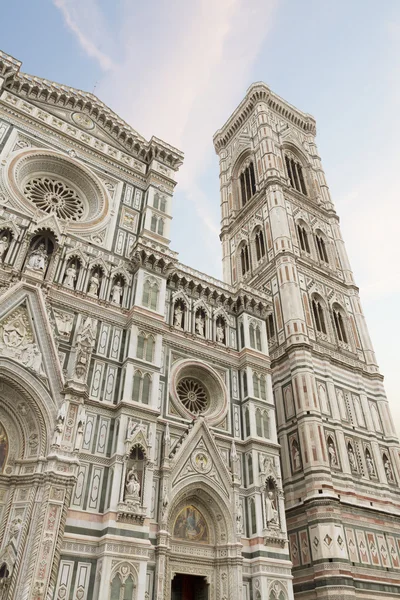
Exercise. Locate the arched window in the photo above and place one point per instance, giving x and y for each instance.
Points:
(265, 424)
(303, 238)
(150, 294)
(253, 518)
(339, 324)
(259, 423)
(321, 247)
(163, 204)
(145, 347)
(247, 182)
(160, 226)
(160, 203)
(246, 422)
(245, 389)
(319, 317)
(263, 390)
(270, 327)
(295, 174)
(255, 336)
(241, 328)
(153, 224)
(141, 387)
(156, 201)
(250, 468)
(256, 385)
(244, 259)
(259, 244)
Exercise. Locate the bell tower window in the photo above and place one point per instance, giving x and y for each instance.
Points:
(245, 259)
(319, 316)
(260, 244)
(295, 173)
(303, 239)
(247, 183)
(339, 326)
(321, 246)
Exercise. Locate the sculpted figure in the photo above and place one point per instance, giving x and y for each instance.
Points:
(388, 470)
(116, 293)
(271, 513)
(352, 459)
(4, 244)
(199, 323)
(70, 277)
(239, 518)
(332, 455)
(94, 284)
(370, 465)
(58, 431)
(132, 485)
(38, 258)
(178, 317)
(220, 333)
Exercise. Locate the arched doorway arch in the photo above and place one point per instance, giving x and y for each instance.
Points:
(202, 541)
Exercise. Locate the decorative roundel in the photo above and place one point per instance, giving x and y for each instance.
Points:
(192, 395)
(82, 120)
(58, 185)
(54, 196)
(198, 391)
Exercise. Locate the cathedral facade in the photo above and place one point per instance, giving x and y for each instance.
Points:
(165, 435)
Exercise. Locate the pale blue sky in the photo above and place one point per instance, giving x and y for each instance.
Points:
(177, 69)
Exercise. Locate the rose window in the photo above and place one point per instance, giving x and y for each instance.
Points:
(54, 196)
(192, 395)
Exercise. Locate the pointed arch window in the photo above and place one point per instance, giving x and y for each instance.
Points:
(253, 518)
(259, 386)
(150, 294)
(141, 387)
(270, 327)
(303, 238)
(255, 336)
(295, 174)
(153, 224)
(247, 183)
(321, 247)
(319, 317)
(244, 259)
(259, 244)
(145, 347)
(246, 422)
(339, 325)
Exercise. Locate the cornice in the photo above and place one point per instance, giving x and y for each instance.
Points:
(257, 92)
(42, 90)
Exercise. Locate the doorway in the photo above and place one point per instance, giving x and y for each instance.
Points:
(189, 587)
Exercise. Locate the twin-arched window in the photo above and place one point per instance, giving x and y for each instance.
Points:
(245, 259)
(303, 238)
(262, 423)
(160, 202)
(321, 248)
(145, 347)
(259, 244)
(295, 173)
(255, 336)
(157, 225)
(339, 325)
(259, 386)
(247, 182)
(319, 316)
(141, 387)
(150, 294)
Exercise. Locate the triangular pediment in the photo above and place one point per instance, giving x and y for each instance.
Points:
(198, 458)
(26, 335)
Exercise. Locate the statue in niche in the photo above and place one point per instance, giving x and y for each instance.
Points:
(58, 430)
(220, 332)
(165, 503)
(116, 293)
(239, 518)
(94, 284)
(132, 485)
(70, 277)
(178, 316)
(332, 454)
(388, 469)
(199, 324)
(38, 258)
(296, 456)
(16, 526)
(370, 464)
(84, 344)
(352, 458)
(80, 428)
(4, 244)
(271, 512)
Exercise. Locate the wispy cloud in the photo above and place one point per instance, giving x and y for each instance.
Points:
(178, 75)
(75, 16)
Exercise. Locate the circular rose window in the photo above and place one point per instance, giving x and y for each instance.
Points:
(54, 196)
(198, 390)
(58, 185)
(193, 395)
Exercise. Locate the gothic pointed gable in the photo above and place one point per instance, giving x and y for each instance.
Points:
(198, 457)
(26, 335)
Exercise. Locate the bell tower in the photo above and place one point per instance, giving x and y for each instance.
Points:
(340, 457)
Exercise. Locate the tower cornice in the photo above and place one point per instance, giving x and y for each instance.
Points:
(257, 92)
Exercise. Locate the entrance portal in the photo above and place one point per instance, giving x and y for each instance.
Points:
(189, 587)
